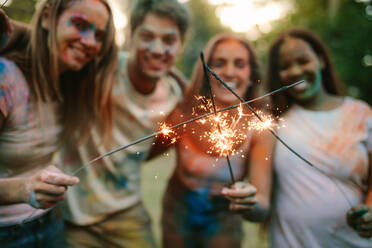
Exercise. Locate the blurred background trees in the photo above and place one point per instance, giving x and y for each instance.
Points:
(345, 26)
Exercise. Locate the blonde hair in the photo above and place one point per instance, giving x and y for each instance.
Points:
(85, 95)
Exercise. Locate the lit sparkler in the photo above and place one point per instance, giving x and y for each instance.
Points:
(197, 118)
(263, 121)
(222, 137)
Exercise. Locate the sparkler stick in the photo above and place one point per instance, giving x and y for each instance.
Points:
(183, 123)
(275, 134)
(4, 3)
(215, 112)
(258, 117)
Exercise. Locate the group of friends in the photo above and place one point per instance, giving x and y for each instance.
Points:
(68, 95)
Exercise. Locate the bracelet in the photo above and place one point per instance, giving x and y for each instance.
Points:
(33, 202)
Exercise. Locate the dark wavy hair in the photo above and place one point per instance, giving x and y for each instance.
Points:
(331, 81)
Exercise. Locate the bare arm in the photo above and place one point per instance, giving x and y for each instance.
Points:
(42, 190)
(252, 199)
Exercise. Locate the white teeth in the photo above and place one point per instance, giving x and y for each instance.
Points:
(301, 86)
(232, 85)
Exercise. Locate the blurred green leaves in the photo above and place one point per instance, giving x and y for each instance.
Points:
(344, 25)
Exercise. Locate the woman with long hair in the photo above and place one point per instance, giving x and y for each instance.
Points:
(334, 133)
(51, 90)
(196, 211)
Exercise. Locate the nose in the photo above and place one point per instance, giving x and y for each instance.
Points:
(295, 70)
(157, 48)
(89, 39)
(229, 71)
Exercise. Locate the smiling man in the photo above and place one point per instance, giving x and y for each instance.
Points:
(105, 209)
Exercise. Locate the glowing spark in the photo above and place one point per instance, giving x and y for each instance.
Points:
(267, 122)
(165, 130)
(222, 133)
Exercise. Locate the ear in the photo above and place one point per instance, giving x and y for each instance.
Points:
(45, 18)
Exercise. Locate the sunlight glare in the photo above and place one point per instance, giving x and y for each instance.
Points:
(120, 21)
(246, 16)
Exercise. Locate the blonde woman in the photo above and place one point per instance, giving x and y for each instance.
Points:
(49, 92)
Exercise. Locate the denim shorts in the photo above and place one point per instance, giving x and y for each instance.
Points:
(46, 231)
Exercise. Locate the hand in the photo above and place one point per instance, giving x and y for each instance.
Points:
(242, 196)
(5, 26)
(47, 187)
(360, 219)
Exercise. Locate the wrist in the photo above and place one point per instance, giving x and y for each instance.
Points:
(25, 190)
(13, 190)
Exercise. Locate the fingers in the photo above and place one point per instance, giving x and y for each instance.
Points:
(49, 198)
(240, 189)
(49, 189)
(243, 204)
(360, 218)
(365, 227)
(239, 207)
(357, 211)
(245, 200)
(242, 196)
(365, 234)
(44, 201)
(53, 175)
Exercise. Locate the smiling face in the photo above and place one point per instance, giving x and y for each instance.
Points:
(156, 44)
(298, 61)
(80, 33)
(230, 60)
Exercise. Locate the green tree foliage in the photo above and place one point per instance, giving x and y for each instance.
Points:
(346, 28)
(21, 10)
(205, 24)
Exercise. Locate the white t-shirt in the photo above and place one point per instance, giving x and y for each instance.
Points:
(309, 208)
(113, 183)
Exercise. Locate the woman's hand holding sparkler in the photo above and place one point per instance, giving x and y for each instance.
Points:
(360, 219)
(242, 196)
(47, 188)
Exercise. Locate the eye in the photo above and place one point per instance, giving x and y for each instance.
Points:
(169, 39)
(283, 67)
(146, 36)
(239, 63)
(80, 24)
(303, 61)
(217, 63)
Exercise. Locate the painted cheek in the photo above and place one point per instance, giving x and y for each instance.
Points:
(172, 50)
(143, 46)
